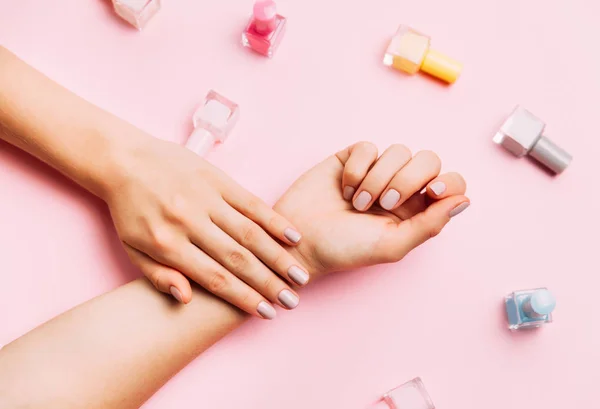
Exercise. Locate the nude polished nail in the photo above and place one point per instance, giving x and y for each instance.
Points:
(389, 200)
(213, 121)
(265, 29)
(292, 235)
(362, 200)
(298, 275)
(459, 209)
(136, 12)
(348, 192)
(438, 188)
(176, 294)
(266, 310)
(288, 299)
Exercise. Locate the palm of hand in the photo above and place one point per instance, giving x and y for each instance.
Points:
(337, 237)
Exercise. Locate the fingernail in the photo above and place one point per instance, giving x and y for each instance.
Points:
(176, 294)
(438, 188)
(389, 200)
(266, 310)
(458, 209)
(298, 275)
(292, 235)
(288, 299)
(362, 200)
(349, 192)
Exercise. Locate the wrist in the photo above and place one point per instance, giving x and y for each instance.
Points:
(118, 144)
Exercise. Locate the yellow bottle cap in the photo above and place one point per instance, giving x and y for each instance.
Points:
(441, 66)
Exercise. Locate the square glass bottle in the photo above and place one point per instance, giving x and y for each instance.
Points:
(407, 50)
(213, 121)
(136, 12)
(410, 395)
(410, 51)
(265, 29)
(529, 308)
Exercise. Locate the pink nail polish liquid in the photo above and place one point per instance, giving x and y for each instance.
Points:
(265, 28)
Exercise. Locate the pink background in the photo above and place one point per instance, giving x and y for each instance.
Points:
(438, 313)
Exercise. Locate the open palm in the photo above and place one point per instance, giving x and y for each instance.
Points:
(337, 237)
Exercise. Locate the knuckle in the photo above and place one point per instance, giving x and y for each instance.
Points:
(401, 150)
(267, 284)
(253, 205)
(250, 234)
(245, 298)
(279, 257)
(154, 277)
(353, 175)
(236, 260)
(368, 147)
(273, 223)
(434, 230)
(160, 238)
(432, 157)
(179, 204)
(462, 182)
(217, 282)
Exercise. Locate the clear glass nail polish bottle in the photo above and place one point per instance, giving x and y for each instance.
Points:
(411, 395)
(265, 29)
(522, 133)
(213, 121)
(409, 51)
(529, 308)
(136, 12)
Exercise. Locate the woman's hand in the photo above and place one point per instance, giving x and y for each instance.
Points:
(177, 216)
(356, 209)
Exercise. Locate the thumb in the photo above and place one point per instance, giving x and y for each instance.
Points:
(403, 237)
(164, 278)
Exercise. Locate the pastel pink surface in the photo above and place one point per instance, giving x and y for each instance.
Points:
(438, 313)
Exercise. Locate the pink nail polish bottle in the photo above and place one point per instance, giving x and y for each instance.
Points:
(213, 121)
(265, 28)
(136, 12)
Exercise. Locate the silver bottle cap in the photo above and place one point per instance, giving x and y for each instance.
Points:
(522, 134)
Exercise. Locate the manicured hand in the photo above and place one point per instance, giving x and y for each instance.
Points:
(371, 209)
(178, 216)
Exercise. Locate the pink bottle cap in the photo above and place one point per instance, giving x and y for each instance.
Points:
(265, 13)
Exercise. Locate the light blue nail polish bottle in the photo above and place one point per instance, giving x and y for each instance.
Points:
(529, 308)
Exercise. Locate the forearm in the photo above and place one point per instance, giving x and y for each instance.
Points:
(113, 351)
(46, 120)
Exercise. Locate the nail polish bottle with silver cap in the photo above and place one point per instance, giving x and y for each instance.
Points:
(522, 134)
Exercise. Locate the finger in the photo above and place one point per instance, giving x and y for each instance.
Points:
(214, 278)
(250, 236)
(446, 185)
(408, 234)
(258, 211)
(357, 160)
(411, 179)
(164, 278)
(382, 172)
(244, 265)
